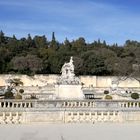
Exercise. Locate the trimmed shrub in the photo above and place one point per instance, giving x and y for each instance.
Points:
(108, 97)
(21, 91)
(18, 96)
(8, 95)
(135, 96)
(106, 92)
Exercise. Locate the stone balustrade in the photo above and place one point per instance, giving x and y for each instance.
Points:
(10, 117)
(69, 104)
(96, 116)
(15, 104)
(67, 111)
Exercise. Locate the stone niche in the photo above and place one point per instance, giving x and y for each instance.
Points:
(68, 85)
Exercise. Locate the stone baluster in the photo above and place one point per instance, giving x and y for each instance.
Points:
(133, 105)
(16, 105)
(3, 117)
(67, 104)
(108, 115)
(130, 104)
(91, 104)
(79, 103)
(0, 104)
(86, 103)
(137, 105)
(63, 104)
(114, 113)
(74, 104)
(4, 104)
(126, 105)
(20, 104)
(8, 104)
(12, 104)
(29, 105)
(122, 105)
(83, 104)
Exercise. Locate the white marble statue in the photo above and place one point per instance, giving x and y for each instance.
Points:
(67, 74)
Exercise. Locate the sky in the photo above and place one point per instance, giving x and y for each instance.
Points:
(114, 21)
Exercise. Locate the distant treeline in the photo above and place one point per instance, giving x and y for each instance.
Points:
(37, 55)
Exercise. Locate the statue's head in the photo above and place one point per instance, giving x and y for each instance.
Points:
(71, 59)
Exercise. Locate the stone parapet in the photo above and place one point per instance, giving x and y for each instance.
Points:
(68, 111)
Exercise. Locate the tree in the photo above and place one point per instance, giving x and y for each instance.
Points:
(54, 43)
(93, 63)
(29, 64)
(2, 37)
(78, 65)
(135, 96)
(40, 41)
(67, 43)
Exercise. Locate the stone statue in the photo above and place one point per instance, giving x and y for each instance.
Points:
(67, 74)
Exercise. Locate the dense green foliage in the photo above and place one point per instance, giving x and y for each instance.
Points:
(135, 96)
(37, 55)
(106, 92)
(8, 95)
(108, 97)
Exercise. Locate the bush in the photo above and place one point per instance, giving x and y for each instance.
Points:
(18, 96)
(21, 91)
(135, 96)
(8, 95)
(106, 92)
(108, 97)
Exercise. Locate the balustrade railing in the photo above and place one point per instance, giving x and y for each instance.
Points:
(69, 104)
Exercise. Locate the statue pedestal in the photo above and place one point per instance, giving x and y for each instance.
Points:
(69, 92)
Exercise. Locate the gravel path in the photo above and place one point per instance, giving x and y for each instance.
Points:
(98, 131)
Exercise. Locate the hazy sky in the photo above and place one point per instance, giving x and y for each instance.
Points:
(112, 20)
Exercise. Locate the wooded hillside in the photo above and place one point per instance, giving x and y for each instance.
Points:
(38, 55)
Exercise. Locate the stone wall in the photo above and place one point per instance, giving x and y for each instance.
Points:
(89, 81)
